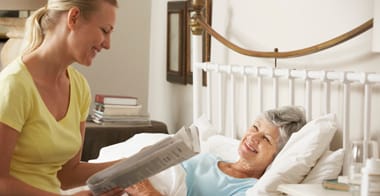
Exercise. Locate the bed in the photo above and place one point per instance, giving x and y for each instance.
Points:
(236, 94)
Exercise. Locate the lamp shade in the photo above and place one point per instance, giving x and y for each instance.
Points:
(21, 4)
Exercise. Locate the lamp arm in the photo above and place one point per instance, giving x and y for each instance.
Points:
(200, 21)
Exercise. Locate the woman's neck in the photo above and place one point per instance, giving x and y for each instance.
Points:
(239, 170)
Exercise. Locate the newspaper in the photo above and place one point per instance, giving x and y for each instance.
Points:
(147, 162)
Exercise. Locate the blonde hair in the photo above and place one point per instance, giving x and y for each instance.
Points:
(46, 17)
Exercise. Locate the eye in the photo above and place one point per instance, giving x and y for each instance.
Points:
(268, 139)
(254, 127)
(105, 31)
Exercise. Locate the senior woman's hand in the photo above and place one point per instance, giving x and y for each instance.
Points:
(142, 188)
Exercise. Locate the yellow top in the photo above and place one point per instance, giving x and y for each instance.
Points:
(44, 144)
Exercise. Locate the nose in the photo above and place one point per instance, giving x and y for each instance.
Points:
(106, 44)
(255, 138)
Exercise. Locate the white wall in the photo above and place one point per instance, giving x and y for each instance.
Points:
(168, 102)
(295, 24)
(124, 68)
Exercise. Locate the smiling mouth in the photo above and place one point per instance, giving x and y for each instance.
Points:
(251, 148)
(94, 52)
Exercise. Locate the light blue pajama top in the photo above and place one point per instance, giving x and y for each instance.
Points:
(204, 178)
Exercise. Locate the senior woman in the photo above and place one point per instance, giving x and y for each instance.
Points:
(207, 174)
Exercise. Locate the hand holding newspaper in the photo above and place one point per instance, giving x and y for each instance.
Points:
(147, 162)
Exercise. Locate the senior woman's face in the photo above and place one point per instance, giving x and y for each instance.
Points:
(259, 144)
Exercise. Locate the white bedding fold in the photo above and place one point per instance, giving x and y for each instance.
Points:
(170, 182)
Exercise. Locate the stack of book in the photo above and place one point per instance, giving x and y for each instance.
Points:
(116, 109)
(334, 184)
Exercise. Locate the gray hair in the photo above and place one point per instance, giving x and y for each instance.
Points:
(288, 119)
(46, 17)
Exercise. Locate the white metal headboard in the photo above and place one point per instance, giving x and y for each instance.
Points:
(233, 92)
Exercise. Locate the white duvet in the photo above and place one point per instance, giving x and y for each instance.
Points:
(305, 149)
(170, 182)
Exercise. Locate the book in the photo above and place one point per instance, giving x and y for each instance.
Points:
(123, 123)
(104, 109)
(333, 184)
(147, 162)
(100, 116)
(115, 99)
(121, 119)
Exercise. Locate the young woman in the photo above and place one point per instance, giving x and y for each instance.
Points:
(45, 101)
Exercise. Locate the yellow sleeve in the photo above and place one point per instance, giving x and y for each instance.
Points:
(15, 101)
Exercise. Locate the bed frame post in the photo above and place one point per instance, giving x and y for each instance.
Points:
(367, 118)
(246, 96)
(345, 123)
(196, 91)
(221, 100)
(308, 94)
(275, 88)
(232, 103)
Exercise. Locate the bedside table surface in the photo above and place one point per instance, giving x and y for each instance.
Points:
(309, 190)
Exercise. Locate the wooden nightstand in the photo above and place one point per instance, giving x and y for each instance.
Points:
(98, 136)
(309, 190)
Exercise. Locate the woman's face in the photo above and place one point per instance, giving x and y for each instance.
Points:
(90, 36)
(259, 144)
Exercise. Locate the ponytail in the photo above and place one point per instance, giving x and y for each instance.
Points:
(34, 34)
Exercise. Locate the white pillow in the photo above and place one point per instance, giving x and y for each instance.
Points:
(223, 147)
(327, 167)
(205, 128)
(298, 156)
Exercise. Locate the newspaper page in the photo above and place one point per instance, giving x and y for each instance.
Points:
(147, 162)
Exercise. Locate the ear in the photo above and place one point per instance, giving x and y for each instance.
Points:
(73, 17)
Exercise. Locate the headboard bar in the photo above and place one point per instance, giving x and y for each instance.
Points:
(221, 101)
(275, 92)
(308, 89)
(367, 119)
(232, 108)
(345, 115)
(327, 89)
(246, 100)
(260, 92)
(291, 90)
